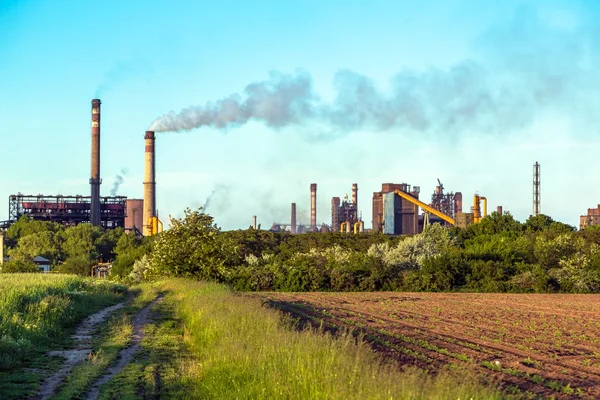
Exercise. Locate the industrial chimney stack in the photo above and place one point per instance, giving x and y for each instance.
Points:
(355, 196)
(95, 180)
(293, 222)
(149, 184)
(313, 205)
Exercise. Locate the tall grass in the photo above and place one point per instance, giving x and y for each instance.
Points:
(37, 310)
(245, 351)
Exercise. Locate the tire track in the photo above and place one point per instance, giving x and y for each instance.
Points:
(82, 337)
(126, 355)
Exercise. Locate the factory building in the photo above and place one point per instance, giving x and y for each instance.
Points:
(68, 210)
(344, 214)
(592, 218)
(134, 219)
(402, 216)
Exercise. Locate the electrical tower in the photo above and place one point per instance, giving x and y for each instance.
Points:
(536, 188)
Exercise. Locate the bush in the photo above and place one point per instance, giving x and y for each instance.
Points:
(18, 266)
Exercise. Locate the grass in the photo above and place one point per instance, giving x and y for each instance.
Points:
(213, 344)
(38, 313)
(113, 336)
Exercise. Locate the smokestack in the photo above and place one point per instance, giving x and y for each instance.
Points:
(95, 180)
(293, 218)
(149, 184)
(355, 195)
(254, 222)
(499, 210)
(313, 205)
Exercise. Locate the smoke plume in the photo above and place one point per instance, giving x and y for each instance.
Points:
(523, 68)
(207, 201)
(119, 179)
(280, 101)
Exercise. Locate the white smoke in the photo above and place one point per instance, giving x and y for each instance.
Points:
(525, 66)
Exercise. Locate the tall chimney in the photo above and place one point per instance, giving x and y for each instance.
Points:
(355, 195)
(313, 205)
(149, 184)
(293, 229)
(95, 180)
(254, 222)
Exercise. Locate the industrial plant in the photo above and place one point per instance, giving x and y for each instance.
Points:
(395, 208)
(134, 215)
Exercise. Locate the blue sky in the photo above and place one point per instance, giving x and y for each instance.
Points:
(498, 85)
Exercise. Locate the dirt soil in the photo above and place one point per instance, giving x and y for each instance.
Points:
(532, 344)
(81, 351)
(126, 355)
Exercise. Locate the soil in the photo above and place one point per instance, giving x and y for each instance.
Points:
(546, 345)
(81, 351)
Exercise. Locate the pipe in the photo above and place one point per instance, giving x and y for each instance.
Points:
(313, 205)
(293, 222)
(95, 181)
(1, 247)
(149, 184)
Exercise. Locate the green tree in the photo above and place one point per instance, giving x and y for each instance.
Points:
(128, 250)
(42, 243)
(26, 226)
(191, 247)
(79, 241)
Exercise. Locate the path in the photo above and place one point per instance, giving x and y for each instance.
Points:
(82, 337)
(126, 355)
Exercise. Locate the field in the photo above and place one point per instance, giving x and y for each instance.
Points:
(36, 313)
(532, 345)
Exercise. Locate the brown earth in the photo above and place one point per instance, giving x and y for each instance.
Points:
(532, 344)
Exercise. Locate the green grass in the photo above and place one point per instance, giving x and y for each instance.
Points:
(113, 336)
(156, 371)
(38, 313)
(224, 346)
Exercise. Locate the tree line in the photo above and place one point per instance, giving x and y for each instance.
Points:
(499, 254)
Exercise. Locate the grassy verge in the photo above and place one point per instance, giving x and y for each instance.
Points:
(38, 313)
(209, 343)
(113, 336)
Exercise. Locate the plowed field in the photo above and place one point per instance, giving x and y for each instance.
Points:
(533, 345)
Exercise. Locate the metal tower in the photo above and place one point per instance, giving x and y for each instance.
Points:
(536, 188)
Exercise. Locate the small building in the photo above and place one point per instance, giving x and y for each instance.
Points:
(42, 263)
(592, 218)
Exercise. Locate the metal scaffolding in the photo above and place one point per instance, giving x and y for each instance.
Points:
(67, 210)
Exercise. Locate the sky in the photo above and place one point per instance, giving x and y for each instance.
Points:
(254, 101)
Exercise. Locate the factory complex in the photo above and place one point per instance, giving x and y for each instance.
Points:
(395, 208)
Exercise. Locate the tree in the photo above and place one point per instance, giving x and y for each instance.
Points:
(42, 243)
(80, 241)
(191, 247)
(26, 226)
